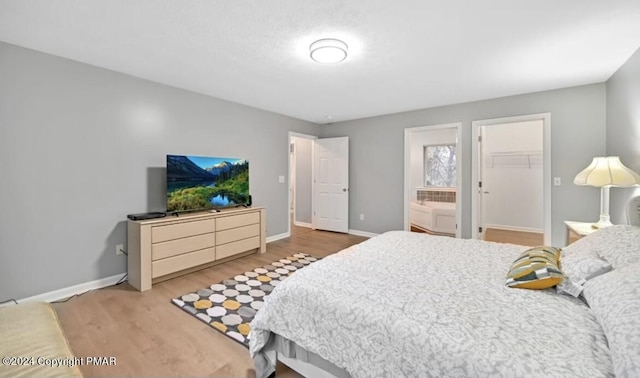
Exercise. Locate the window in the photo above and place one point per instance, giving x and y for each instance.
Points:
(440, 166)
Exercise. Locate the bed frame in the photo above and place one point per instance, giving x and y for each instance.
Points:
(304, 368)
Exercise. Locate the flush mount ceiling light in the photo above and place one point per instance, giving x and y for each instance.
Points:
(328, 50)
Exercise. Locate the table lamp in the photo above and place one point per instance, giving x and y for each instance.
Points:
(605, 172)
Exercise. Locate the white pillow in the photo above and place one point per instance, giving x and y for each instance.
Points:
(619, 245)
(614, 299)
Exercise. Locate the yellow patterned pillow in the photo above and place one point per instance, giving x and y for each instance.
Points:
(536, 268)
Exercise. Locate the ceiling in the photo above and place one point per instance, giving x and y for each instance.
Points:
(420, 54)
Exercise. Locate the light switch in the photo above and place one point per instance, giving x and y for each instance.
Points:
(556, 181)
(281, 179)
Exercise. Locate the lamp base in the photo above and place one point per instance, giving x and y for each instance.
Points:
(602, 223)
(605, 219)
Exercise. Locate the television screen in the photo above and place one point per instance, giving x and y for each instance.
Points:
(201, 183)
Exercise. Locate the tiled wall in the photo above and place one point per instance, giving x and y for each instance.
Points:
(436, 196)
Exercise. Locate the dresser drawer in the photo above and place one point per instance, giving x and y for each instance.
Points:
(182, 230)
(180, 246)
(236, 247)
(238, 233)
(225, 223)
(177, 263)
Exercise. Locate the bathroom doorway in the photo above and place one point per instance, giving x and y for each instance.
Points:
(432, 175)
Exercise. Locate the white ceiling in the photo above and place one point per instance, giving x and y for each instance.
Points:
(403, 55)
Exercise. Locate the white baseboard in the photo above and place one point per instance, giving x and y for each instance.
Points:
(513, 228)
(302, 224)
(278, 237)
(109, 281)
(363, 233)
(73, 290)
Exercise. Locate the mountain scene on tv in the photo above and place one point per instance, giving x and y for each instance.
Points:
(198, 182)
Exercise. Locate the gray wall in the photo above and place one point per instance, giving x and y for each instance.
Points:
(623, 128)
(81, 147)
(304, 161)
(377, 154)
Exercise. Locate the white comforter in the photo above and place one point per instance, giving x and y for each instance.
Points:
(407, 304)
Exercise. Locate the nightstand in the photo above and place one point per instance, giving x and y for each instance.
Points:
(577, 230)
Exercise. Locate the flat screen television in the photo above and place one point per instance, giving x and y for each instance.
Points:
(204, 183)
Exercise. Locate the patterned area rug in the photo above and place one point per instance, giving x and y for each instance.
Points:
(229, 306)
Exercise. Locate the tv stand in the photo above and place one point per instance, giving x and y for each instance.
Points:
(164, 248)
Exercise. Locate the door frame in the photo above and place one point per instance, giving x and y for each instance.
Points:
(546, 168)
(289, 168)
(408, 132)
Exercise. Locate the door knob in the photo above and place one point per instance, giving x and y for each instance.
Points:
(344, 189)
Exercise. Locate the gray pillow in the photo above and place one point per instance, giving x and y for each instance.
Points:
(619, 245)
(614, 299)
(579, 268)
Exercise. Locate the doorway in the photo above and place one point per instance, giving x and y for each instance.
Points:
(300, 182)
(511, 172)
(318, 183)
(432, 179)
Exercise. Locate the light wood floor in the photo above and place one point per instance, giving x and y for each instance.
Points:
(503, 236)
(149, 336)
(514, 237)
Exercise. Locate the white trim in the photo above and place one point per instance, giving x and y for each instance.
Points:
(546, 173)
(302, 224)
(297, 135)
(73, 290)
(97, 284)
(513, 228)
(292, 177)
(112, 280)
(362, 233)
(273, 238)
(407, 168)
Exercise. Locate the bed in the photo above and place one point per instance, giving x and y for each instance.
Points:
(408, 304)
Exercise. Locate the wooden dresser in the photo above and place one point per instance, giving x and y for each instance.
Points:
(164, 248)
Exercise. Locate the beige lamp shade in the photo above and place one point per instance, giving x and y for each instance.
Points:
(607, 171)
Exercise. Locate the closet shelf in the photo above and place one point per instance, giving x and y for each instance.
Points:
(514, 159)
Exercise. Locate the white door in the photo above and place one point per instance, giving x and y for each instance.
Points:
(331, 184)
